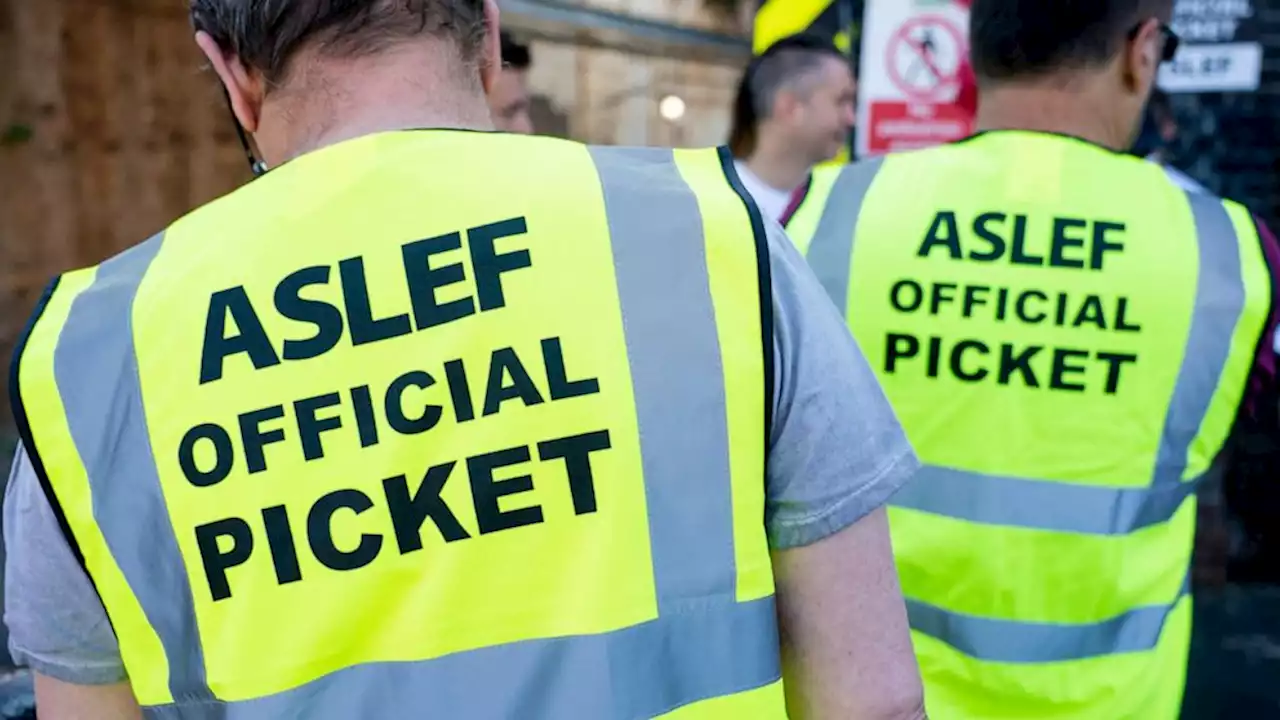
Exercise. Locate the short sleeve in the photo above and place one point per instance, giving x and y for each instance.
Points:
(57, 625)
(837, 451)
(1261, 391)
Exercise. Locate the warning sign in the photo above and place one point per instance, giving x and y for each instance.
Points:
(923, 58)
(908, 126)
(913, 85)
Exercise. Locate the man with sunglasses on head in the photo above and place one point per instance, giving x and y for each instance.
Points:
(1068, 337)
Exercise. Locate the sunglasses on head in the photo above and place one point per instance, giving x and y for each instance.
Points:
(1171, 40)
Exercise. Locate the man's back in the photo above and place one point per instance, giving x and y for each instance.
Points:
(473, 404)
(1066, 337)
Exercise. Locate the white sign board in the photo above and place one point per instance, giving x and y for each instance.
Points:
(1220, 50)
(1228, 67)
(913, 56)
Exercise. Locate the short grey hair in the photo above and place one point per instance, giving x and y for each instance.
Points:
(787, 69)
(267, 34)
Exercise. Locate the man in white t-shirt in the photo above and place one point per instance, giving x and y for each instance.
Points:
(795, 109)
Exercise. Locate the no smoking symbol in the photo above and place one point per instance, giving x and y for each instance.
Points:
(924, 58)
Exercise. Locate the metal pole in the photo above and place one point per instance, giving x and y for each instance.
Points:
(846, 12)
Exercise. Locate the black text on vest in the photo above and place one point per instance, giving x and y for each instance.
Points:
(1028, 287)
(233, 328)
(402, 510)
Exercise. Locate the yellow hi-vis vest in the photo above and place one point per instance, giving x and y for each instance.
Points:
(427, 424)
(1066, 337)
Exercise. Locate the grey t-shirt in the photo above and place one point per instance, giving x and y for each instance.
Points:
(837, 453)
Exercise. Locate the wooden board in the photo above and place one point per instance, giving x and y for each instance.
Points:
(109, 130)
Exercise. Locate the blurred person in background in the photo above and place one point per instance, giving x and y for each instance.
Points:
(1069, 339)
(794, 109)
(1157, 138)
(509, 100)
(433, 420)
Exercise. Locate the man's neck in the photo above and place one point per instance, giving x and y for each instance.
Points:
(1074, 112)
(327, 105)
(780, 168)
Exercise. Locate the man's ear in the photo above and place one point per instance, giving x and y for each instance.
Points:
(785, 104)
(491, 51)
(1142, 56)
(244, 90)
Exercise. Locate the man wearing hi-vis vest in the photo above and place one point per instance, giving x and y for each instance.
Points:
(1067, 337)
(427, 422)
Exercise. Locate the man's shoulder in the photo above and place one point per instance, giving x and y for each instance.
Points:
(642, 155)
(665, 168)
(1196, 193)
(92, 279)
(56, 293)
(870, 163)
(655, 173)
(81, 285)
(1184, 181)
(859, 173)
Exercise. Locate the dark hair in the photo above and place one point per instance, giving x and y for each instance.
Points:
(1024, 38)
(784, 62)
(267, 34)
(514, 54)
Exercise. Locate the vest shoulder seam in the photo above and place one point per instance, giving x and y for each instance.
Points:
(765, 280)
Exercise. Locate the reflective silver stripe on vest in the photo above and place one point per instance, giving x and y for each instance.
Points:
(1041, 504)
(830, 253)
(96, 372)
(1007, 641)
(654, 231)
(1018, 502)
(702, 645)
